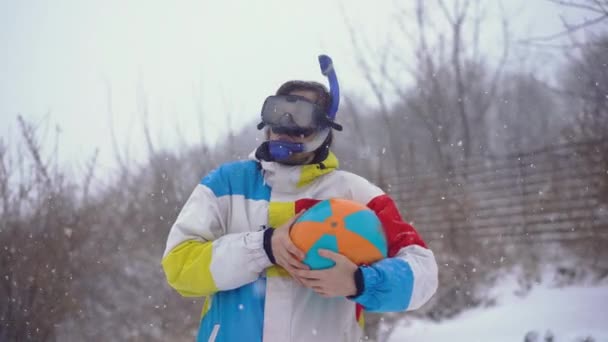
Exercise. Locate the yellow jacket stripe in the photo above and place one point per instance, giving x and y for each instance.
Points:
(188, 270)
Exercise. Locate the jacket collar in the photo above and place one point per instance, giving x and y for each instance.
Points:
(290, 178)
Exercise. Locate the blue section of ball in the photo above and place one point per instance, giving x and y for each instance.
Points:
(367, 224)
(318, 213)
(317, 262)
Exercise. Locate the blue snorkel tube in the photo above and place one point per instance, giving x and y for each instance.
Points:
(327, 69)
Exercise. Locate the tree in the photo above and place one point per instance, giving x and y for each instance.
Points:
(41, 238)
(527, 116)
(586, 83)
(454, 86)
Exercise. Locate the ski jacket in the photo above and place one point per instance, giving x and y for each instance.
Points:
(215, 249)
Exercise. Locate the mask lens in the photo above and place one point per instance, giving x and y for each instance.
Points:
(290, 111)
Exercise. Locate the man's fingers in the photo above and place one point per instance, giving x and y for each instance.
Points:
(289, 264)
(286, 243)
(298, 280)
(279, 256)
(312, 283)
(310, 274)
(294, 250)
(322, 292)
(326, 253)
(295, 263)
(283, 259)
(319, 288)
(287, 267)
(291, 259)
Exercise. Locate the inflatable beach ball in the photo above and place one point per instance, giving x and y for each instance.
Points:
(342, 226)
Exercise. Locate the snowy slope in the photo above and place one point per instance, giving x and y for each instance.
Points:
(569, 313)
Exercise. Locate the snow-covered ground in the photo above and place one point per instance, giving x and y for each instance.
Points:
(570, 313)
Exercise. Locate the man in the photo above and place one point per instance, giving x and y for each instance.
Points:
(231, 241)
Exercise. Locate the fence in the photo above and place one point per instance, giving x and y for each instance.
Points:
(555, 194)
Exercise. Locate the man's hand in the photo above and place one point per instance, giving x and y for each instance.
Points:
(286, 254)
(338, 281)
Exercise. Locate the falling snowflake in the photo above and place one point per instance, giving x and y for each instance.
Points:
(67, 232)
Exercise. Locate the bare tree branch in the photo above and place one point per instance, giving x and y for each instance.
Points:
(460, 85)
(90, 175)
(377, 89)
(446, 12)
(571, 29)
(27, 132)
(494, 83)
(117, 152)
(142, 100)
(578, 5)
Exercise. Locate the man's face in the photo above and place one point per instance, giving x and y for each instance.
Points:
(297, 158)
(310, 95)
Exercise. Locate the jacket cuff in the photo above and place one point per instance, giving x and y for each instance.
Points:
(254, 242)
(268, 244)
(369, 279)
(359, 283)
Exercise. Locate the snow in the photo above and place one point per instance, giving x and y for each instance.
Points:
(570, 314)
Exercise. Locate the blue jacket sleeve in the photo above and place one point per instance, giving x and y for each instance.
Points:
(387, 286)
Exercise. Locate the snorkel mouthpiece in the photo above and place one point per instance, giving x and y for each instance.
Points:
(282, 150)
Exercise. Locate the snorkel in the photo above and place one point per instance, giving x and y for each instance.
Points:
(282, 150)
(327, 69)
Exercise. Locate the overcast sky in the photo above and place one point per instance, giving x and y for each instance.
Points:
(66, 58)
